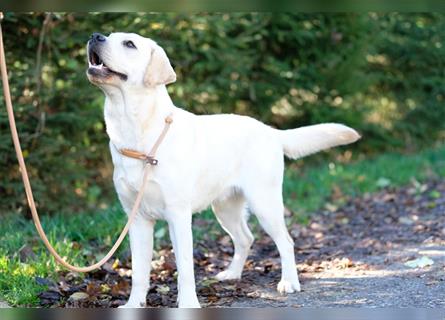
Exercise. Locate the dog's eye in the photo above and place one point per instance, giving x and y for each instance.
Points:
(129, 44)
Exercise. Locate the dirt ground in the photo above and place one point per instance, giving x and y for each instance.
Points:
(351, 256)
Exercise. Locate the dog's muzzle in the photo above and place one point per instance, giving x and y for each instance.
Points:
(97, 67)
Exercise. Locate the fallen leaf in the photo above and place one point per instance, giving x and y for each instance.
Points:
(108, 267)
(405, 220)
(388, 197)
(93, 289)
(64, 286)
(169, 263)
(435, 194)
(115, 264)
(50, 295)
(105, 288)
(70, 276)
(123, 272)
(26, 253)
(419, 262)
(331, 207)
(77, 296)
(383, 182)
(208, 282)
(122, 288)
(162, 289)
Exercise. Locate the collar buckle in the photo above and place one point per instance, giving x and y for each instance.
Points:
(151, 161)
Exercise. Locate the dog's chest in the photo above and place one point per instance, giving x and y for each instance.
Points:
(128, 178)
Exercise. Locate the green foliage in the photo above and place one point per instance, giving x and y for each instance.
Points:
(380, 73)
(409, 68)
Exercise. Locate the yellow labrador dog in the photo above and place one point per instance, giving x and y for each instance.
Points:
(232, 163)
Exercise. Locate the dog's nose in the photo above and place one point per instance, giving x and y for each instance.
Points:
(98, 37)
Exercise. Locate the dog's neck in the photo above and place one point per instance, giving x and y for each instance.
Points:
(134, 117)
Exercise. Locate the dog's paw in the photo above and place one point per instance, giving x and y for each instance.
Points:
(133, 305)
(285, 286)
(228, 275)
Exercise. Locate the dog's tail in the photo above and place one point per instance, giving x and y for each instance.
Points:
(304, 141)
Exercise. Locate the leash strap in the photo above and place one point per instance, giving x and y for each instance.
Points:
(28, 189)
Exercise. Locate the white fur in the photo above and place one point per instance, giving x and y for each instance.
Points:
(228, 161)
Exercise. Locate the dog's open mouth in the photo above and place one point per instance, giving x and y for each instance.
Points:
(98, 68)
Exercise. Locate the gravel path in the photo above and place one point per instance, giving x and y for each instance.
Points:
(379, 281)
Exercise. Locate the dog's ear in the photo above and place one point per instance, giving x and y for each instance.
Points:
(159, 71)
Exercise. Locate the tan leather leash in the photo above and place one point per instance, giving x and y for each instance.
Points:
(149, 159)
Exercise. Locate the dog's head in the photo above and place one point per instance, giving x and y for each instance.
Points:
(127, 59)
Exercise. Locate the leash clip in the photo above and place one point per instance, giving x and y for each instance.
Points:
(151, 161)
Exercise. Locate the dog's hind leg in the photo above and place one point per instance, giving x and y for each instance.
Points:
(267, 204)
(232, 215)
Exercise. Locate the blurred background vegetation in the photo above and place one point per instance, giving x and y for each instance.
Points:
(383, 74)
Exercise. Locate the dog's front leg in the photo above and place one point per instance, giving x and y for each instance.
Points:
(180, 226)
(141, 243)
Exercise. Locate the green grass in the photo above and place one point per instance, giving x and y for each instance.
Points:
(85, 238)
(72, 236)
(309, 189)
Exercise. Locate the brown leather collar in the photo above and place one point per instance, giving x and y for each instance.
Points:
(150, 157)
(138, 155)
